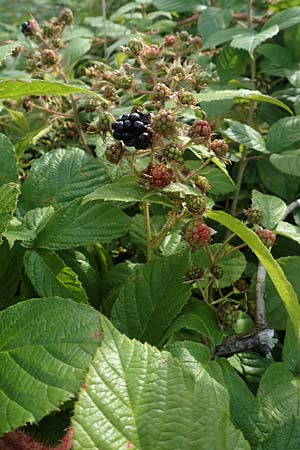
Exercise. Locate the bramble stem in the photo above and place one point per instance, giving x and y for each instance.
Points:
(146, 211)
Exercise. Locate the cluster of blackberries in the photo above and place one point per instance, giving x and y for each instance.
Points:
(133, 129)
(26, 28)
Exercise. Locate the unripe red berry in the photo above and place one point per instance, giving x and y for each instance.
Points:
(114, 152)
(158, 176)
(197, 234)
(200, 131)
(220, 148)
(169, 40)
(267, 237)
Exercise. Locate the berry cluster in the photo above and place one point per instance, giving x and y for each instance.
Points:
(267, 237)
(133, 129)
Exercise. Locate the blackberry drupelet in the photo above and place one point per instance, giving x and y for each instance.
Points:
(133, 129)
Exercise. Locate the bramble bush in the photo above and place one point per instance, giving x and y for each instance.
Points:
(150, 227)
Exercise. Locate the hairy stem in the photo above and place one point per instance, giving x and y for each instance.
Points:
(146, 210)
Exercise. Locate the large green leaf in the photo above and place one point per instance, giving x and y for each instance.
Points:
(251, 42)
(289, 230)
(213, 19)
(75, 224)
(284, 19)
(8, 201)
(276, 314)
(244, 407)
(286, 436)
(59, 177)
(221, 36)
(151, 298)
(283, 185)
(279, 395)
(273, 208)
(283, 134)
(11, 263)
(51, 277)
(17, 88)
(127, 190)
(288, 162)
(198, 317)
(284, 288)
(46, 346)
(246, 135)
(8, 167)
(175, 5)
(211, 96)
(143, 399)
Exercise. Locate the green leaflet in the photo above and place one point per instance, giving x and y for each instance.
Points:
(8, 167)
(60, 176)
(151, 298)
(143, 399)
(8, 201)
(211, 96)
(75, 224)
(273, 208)
(51, 277)
(18, 88)
(46, 346)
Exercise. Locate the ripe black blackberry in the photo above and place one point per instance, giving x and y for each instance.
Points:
(26, 28)
(133, 129)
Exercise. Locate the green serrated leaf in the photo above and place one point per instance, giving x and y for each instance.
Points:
(127, 190)
(8, 167)
(284, 19)
(8, 202)
(246, 135)
(198, 317)
(279, 394)
(221, 36)
(273, 208)
(286, 435)
(210, 96)
(18, 88)
(283, 134)
(46, 346)
(50, 277)
(176, 5)
(134, 393)
(151, 298)
(289, 230)
(11, 263)
(251, 42)
(76, 224)
(61, 176)
(288, 162)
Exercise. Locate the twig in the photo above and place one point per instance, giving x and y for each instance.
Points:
(148, 229)
(260, 314)
(104, 28)
(236, 16)
(290, 208)
(260, 342)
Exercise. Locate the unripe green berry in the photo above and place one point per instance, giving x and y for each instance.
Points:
(124, 82)
(173, 153)
(195, 273)
(136, 46)
(227, 315)
(186, 98)
(196, 203)
(114, 152)
(164, 122)
(202, 184)
(216, 271)
(161, 92)
(254, 215)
